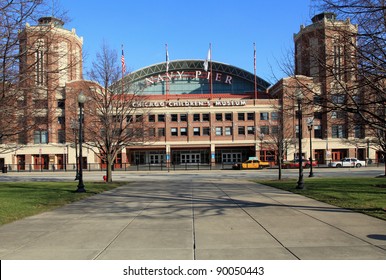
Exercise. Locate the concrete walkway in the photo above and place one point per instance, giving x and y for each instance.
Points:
(204, 219)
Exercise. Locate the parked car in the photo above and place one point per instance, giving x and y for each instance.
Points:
(347, 162)
(295, 163)
(251, 164)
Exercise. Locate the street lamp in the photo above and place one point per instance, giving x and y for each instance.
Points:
(299, 96)
(75, 127)
(310, 125)
(81, 101)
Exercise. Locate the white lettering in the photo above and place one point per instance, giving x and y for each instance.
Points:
(218, 77)
(160, 79)
(198, 73)
(228, 80)
(149, 81)
(180, 74)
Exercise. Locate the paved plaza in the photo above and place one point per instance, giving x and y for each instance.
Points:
(195, 217)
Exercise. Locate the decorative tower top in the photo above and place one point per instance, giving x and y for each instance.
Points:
(51, 21)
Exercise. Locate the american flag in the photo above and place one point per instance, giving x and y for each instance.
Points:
(167, 58)
(123, 62)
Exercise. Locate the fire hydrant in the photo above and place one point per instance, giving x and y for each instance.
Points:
(105, 178)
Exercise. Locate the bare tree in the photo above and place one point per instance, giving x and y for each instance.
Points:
(32, 64)
(361, 79)
(13, 17)
(113, 122)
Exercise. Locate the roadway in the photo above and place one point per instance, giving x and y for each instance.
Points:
(188, 175)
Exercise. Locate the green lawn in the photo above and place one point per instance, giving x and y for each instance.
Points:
(365, 195)
(22, 199)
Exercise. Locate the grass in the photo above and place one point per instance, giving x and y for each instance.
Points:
(22, 199)
(365, 195)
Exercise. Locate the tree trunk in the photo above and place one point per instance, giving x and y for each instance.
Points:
(109, 173)
(279, 163)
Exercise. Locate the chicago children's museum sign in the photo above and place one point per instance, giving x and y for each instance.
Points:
(154, 104)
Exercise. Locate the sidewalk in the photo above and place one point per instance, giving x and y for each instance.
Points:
(203, 219)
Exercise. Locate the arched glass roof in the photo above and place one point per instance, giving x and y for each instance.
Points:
(189, 76)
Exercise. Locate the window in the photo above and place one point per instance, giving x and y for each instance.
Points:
(161, 132)
(251, 129)
(318, 100)
(151, 118)
(250, 116)
(183, 117)
(174, 131)
(338, 115)
(161, 118)
(318, 131)
(61, 136)
(274, 116)
(219, 117)
(318, 115)
(152, 131)
(218, 131)
(241, 130)
(205, 117)
(358, 131)
(228, 130)
(206, 131)
(228, 116)
(196, 117)
(184, 131)
(338, 99)
(264, 116)
(40, 137)
(22, 138)
(241, 116)
(196, 131)
(62, 120)
(129, 118)
(264, 129)
(138, 118)
(274, 130)
(61, 104)
(338, 131)
(174, 117)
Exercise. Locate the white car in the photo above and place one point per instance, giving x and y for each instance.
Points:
(348, 162)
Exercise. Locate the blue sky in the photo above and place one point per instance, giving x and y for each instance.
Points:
(144, 27)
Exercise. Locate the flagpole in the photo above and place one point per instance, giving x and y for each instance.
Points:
(254, 69)
(211, 72)
(123, 68)
(167, 72)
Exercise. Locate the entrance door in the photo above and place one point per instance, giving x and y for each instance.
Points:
(338, 155)
(231, 157)
(156, 158)
(190, 158)
(41, 162)
(20, 162)
(319, 156)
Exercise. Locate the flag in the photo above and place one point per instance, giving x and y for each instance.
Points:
(123, 62)
(254, 57)
(167, 58)
(208, 58)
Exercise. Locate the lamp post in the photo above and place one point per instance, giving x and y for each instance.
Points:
(81, 101)
(299, 96)
(74, 127)
(310, 125)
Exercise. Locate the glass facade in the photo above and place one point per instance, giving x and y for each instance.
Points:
(189, 77)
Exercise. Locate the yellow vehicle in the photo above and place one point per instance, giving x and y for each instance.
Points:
(251, 164)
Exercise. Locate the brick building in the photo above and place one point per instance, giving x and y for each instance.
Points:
(196, 116)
